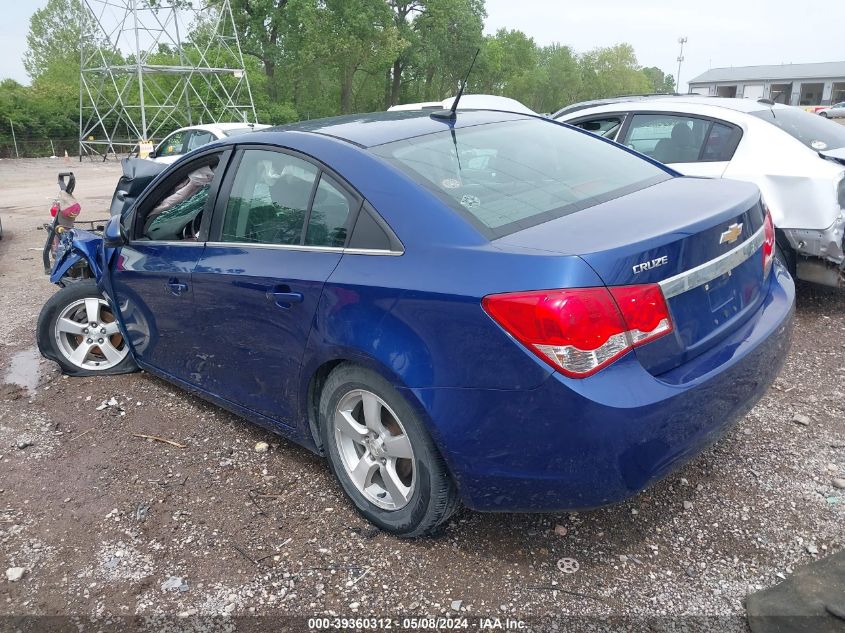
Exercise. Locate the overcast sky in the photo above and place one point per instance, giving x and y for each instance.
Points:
(720, 32)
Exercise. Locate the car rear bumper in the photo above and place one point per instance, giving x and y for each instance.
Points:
(578, 444)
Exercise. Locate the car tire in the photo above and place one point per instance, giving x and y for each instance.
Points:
(824, 114)
(77, 329)
(385, 459)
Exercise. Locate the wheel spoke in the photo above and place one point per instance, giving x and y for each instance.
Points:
(362, 474)
(80, 354)
(112, 354)
(70, 327)
(111, 328)
(398, 446)
(92, 309)
(372, 411)
(349, 427)
(399, 492)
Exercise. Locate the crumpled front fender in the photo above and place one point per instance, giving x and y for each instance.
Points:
(77, 245)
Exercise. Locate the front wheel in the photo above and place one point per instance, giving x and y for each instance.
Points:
(78, 330)
(382, 454)
(825, 115)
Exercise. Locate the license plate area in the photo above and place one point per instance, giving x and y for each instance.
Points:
(724, 297)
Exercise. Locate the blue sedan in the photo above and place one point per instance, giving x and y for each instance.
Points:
(491, 310)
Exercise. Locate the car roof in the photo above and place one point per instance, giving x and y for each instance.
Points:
(690, 104)
(377, 128)
(470, 102)
(583, 105)
(223, 127)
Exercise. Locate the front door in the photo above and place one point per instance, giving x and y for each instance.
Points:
(279, 230)
(150, 276)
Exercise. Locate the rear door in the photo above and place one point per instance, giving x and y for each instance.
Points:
(279, 229)
(692, 145)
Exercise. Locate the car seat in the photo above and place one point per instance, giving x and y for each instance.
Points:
(679, 148)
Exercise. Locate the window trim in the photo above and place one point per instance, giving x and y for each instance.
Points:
(227, 183)
(737, 129)
(168, 178)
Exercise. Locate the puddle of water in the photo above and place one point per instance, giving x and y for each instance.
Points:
(24, 370)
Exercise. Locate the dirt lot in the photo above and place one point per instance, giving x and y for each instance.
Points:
(101, 520)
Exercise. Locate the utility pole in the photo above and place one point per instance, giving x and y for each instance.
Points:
(681, 40)
(14, 138)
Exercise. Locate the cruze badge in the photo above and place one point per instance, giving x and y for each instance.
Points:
(654, 263)
(732, 234)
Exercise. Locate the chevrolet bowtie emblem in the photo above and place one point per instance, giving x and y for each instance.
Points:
(732, 234)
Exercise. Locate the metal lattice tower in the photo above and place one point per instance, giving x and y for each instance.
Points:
(148, 67)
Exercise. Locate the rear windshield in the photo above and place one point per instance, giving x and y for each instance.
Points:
(815, 131)
(509, 176)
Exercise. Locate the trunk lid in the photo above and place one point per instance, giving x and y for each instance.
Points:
(699, 239)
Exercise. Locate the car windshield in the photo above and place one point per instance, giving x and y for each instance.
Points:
(505, 177)
(238, 130)
(812, 130)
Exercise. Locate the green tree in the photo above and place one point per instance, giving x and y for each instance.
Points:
(660, 82)
(53, 41)
(612, 71)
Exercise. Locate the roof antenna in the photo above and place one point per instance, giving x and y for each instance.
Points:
(451, 114)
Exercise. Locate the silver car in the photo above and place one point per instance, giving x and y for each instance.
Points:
(836, 111)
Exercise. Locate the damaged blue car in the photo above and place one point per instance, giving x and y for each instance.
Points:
(473, 308)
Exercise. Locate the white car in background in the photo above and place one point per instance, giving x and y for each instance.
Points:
(797, 159)
(836, 111)
(469, 102)
(189, 138)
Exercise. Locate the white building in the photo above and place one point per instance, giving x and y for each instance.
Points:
(792, 84)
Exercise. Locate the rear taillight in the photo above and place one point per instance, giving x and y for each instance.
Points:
(582, 330)
(768, 243)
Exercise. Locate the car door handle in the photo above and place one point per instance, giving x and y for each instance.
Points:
(176, 288)
(283, 297)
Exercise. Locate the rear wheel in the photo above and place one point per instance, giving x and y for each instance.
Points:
(382, 454)
(78, 330)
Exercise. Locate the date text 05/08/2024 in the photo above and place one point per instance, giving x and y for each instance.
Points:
(416, 624)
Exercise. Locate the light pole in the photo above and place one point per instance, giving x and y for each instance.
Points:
(681, 41)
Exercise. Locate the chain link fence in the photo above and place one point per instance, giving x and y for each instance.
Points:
(38, 147)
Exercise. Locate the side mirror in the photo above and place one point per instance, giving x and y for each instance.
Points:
(113, 235)
(152, 154)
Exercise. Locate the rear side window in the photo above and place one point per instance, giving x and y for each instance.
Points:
(329, 215)
(269, 199)
(814, 131)
(508, 176)
(671, 138)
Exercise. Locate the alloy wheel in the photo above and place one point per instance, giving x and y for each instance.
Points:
(375, 449)
(87, 335)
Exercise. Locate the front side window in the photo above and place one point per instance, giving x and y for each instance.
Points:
(607, 127)
(511, 175)
(269, 199)
(172, 146)
(814, 131)
(176, 213)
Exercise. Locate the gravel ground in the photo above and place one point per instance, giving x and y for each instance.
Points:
(107, 525)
